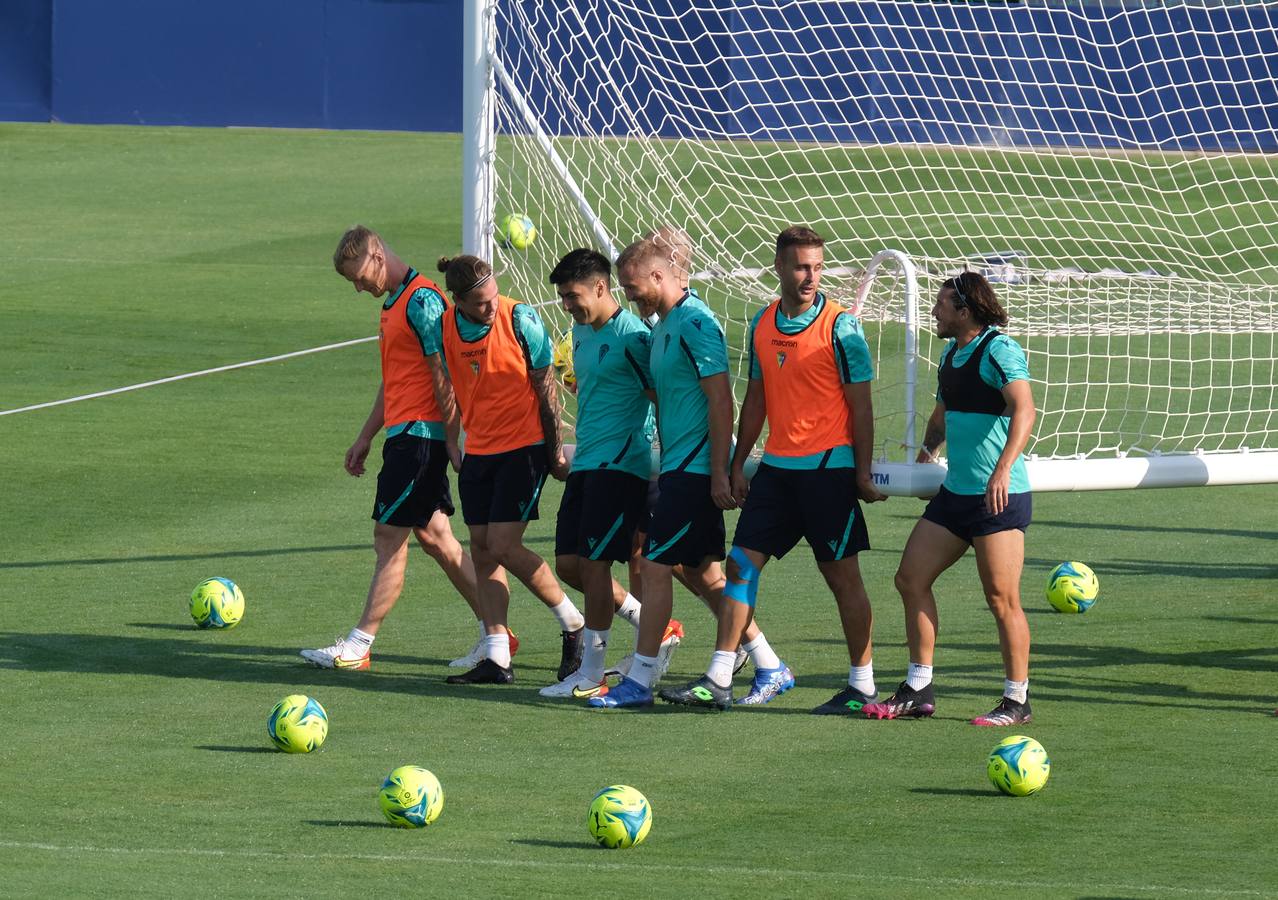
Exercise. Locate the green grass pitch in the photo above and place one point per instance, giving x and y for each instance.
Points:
(133, 754)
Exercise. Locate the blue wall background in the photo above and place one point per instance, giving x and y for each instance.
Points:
(395, 64)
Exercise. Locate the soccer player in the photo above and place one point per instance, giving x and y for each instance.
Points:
(689, 364)
(606, 493)
(985, 410)
(412, 488)
(810, 374)
(498, 359)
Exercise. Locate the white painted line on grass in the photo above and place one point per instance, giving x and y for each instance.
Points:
(183, 377)
(642, 868)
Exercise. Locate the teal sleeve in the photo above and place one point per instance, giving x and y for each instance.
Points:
(425, 311)
(1004, 362)
(855, 364)
(756, 371)
(703, 339)
(533, 336)
(639, 353)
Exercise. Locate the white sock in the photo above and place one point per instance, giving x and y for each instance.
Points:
(360, 640)
(593, 652)
(643, 670)
(862, 678)
(1017, 690)
(497, 648)
(918, 677)
(761, 654)
(629, 610)
(720, 671)
(570, 618)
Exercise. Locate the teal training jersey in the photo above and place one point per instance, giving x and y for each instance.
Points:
(852, 354)
(528, 328)
(687, 345)
(612, 371)
(974, 441)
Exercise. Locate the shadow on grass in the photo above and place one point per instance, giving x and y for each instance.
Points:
(562, 845)
(213, 555)
(1159, 529)
(954, 792)
(208, 656)
(229, 748)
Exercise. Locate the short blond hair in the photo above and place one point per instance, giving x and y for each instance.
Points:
(354, 245)
(675, 243)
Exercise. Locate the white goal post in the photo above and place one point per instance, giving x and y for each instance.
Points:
(1111, 166)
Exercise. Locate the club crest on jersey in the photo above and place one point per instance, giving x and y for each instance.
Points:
(603, 351)
(474, 366)
(780, 358)
(666, 345)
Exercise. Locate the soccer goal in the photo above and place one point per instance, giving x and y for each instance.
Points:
(1112, 167)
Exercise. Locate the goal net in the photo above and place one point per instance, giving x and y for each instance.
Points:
(1112, 167)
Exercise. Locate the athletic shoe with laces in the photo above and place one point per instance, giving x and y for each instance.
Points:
(570, 652)
(742, 658)
(768, 683)
(476, 654)
(670, 639)
(487, 672)
(1008, 712)
(627, 694)
(702, 693)
(905, 702)
(847, 702)
(576, 686)
(341, 655)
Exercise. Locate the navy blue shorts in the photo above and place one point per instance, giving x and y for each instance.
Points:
(599, 513)
(819, 505)
(502, 487)
(966, 516)
(686, 527)
(413, 482)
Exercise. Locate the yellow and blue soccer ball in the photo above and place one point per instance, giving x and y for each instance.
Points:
(297, 724)
(217, 603)
(619, 817)
(516, 232)
(1019, 766)
(562, 360)
(1072, 588)
(411, 797)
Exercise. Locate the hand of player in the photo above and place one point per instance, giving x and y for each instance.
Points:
(721, 491)
(996, 491)
(559, 468)
(356, 455)
(925, 456)
(867, 490)
(454, 454)
(740, 485)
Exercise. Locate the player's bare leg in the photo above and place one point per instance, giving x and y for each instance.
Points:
(494, 603)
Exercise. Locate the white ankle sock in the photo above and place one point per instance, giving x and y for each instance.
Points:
(862, 678)
(570, 618)
(918, 677)
(593, 652)
(497, 648)
(629, 610)
(761, 654)
(643, 670)
(720, 671)
(1017, 690)
(362, 640)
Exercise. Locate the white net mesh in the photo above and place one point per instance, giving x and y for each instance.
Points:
(1112, 166)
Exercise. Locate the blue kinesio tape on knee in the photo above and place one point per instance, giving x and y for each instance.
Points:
(742, 592)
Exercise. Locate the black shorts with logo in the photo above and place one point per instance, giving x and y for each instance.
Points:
(965, 515)
(413, 482)
(599, 513)
(686, 526)
(502, 487)
(819, 505)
